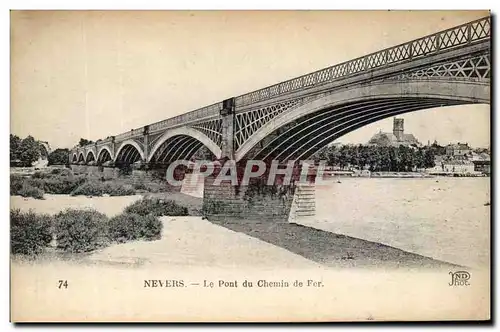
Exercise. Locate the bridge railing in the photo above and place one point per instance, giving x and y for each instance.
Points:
(211, 110)
(443, 40)
(203, 112)
(460, 35)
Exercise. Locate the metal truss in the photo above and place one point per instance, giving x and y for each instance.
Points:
(458, 36)
(249, 122)
(211, 128)
(128, 154)
(478, 67)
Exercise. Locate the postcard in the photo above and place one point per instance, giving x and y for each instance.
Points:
(250, 166)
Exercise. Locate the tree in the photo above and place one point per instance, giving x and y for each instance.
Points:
(15, 143)
(29, 151)
(59, 157)
(429, 159)
(84, 141)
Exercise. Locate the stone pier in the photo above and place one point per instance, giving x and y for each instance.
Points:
(253, 202)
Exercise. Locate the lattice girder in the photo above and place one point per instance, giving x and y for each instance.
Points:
(212, 129)
(477, 67)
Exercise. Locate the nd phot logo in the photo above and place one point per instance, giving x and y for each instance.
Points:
(459, 278)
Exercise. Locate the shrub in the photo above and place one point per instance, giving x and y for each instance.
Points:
(130, 226)
(49, 183)
(16, 184)
(139, 186)
(28, 190)
(149, 186)
(115, 189)
(30, 233)
(80, 230)
(61, 172)
(97, 188)
(89, 189)
(40, 175)
(156, 207)
(63, 185)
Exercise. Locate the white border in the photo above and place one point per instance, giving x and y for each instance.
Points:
(192, 4)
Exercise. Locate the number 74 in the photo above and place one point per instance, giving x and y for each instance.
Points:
(63, 283)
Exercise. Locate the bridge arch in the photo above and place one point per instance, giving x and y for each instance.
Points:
(81, 157)
(90, 156)
(186, 137)
(392, 97)
(129, 152)
(104, 154)
(74, 158)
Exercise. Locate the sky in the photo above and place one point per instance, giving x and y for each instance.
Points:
(93, 74)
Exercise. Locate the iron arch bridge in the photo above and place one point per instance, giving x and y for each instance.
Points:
(292, 120)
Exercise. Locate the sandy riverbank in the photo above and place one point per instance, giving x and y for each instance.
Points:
(191, 241)
(109, 285)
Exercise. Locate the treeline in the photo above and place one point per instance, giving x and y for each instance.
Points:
(25, 151)
(378, 158)
(59, 157)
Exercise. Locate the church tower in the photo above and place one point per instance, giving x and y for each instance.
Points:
(398, 128)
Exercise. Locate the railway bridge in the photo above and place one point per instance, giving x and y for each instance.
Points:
(292, 120)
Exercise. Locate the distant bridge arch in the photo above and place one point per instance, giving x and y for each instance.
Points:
(81, 157)
(129, 152)
(90, 157)
(104, 154)
(186, 141)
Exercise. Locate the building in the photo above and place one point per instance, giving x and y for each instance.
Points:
(458, 166)
(482, 162)
(396, 138)
(458, 150)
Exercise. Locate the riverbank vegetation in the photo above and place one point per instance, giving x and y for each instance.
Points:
(379, 158)
(64, 181)
(85, 230)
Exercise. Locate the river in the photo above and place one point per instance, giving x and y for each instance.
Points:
(444, 218)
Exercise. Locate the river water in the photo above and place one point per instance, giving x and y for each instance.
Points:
(444, 218)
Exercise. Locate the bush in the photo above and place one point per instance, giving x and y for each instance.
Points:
(63, 185)
(40, 175)
(16, 184)
(80, 230)
(139, 186)
(28, 190)
(23, 186)
(29, 233)
(49, 183)
(95, 188)
(89, 189)
(130, 226)
(115, 189)
(156, 207)
(61, 172)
